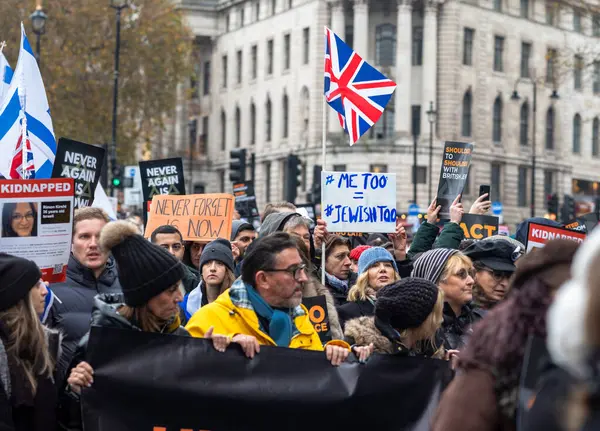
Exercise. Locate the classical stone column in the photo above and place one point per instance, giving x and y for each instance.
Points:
(338, 26)
(361, 28)
(429, 62)
(402, 120)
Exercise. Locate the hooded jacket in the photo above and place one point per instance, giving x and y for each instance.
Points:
(73, 303)
(275, 222)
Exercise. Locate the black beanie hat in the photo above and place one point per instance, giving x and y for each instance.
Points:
(406, 303)
(145, 269)
(17, 278)
(219, 249)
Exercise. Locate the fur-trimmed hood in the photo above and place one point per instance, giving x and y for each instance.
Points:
(362, 332)
(313, 288)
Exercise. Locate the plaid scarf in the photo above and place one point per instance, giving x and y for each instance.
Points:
(339, 285)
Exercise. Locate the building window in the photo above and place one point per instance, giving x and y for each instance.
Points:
(254, 61)
(498, 5)
(239, 66)
(238, 127)
(242, 16)
(497, 121)
(522, 187)
(378, 169)
(268, 181)
(286, 52)
(290, 4)
(349, 35)
(468, 35)
(385, 44)
(596, 83)
(551, 13)
(205, 135)
(194, 85)
(421, 174)
(339, 168)
(193, 129)
(417, 46)
(578, 72)
(416, 120)
(467, 113)
(268, 122)
(524, 124)
(206, 79)
(577, 20)
(257, 10)
(550, 65)
(223, 131)
(286, 120)
(270, 57)
(550, 128)
(384, 127)
(305, 111)
(499, 54)
(595, 137)
(221, 173)
(577, 134)
(305, 45)
(525, 55)
(227, 21)
(273, 6)
(496, 182)
(252, 124)
(596, 25)
(224, 64)
(524, 8)
(548, 182)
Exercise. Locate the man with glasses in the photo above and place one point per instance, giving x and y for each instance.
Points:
(169, 238)
(494, 263)
(265, 306)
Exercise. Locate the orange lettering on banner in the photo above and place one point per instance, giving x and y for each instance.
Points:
(198, 217)
(314, 317)
(475, 230)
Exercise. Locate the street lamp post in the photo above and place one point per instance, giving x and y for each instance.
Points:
(193, 129)
(38, 22)
(431, 116)
(515, 96)
(118, 5)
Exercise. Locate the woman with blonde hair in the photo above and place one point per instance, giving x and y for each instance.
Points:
(408, 314)
(28, 350)
(376, 269)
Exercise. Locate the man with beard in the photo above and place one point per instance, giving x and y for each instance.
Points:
(90, 272)
(242, 235)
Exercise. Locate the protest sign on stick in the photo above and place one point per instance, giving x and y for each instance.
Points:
(477, 226)
(198, 217)
(359, 201)
(453, 175)
(245, 200)
(37, 223)
(161, 177)
(83, 163)
(319, 316)
(538, 235)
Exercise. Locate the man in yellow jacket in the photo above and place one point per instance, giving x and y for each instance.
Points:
(265, 306)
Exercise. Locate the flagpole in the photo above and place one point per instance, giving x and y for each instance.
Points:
(324, 162)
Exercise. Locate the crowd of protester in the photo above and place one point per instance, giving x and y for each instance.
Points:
(476, 304)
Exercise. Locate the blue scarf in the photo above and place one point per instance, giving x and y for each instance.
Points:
(280, 323)
(340, 285)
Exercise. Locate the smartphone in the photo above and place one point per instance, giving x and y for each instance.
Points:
(483, 189)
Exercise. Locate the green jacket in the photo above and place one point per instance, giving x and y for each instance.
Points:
(425, 239)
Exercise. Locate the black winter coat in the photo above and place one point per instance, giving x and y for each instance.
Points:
(355, 309)
(72, 307)
(455, 329)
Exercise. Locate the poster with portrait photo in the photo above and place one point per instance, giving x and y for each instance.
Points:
(37, 223)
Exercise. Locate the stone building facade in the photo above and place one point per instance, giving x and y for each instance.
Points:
(259, 84)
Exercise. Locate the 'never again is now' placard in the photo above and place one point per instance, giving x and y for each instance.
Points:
(359, 201)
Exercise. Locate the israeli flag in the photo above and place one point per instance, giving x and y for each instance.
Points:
(26, 100)
(6, 74)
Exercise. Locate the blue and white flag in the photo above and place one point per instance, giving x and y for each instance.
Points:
(6, 74)
(25, 116)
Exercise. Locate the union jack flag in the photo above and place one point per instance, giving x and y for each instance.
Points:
(356, 90)
(17, 170)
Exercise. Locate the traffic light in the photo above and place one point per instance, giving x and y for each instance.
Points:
(237, 166)
(117, 176)
(316, 185)
(568, 209)
(293, 175)
(552, 204)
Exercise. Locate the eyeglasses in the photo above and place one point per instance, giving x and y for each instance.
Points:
(498, 275)
(20, 217)
(464, 273)
(174, 247)
(295, 271)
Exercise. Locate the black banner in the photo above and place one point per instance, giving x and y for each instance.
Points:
(319, 316)
(162, 177)
(454, 173)
(151, 382)
(83, 163)
(245, 201)
(477, 226)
